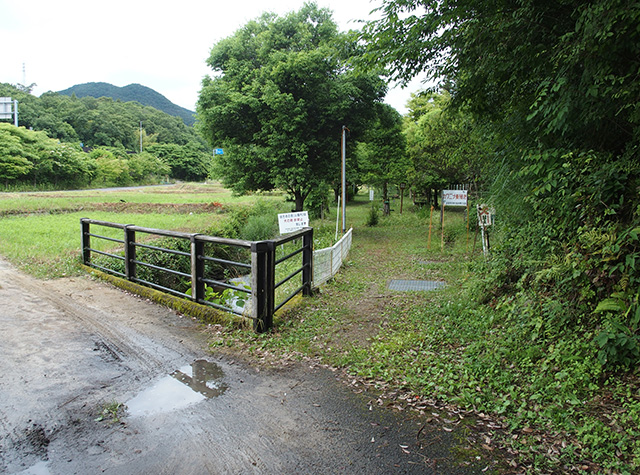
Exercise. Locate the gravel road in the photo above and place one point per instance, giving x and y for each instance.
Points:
(72, 350)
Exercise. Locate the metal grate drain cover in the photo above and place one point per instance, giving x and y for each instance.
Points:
(415, 285)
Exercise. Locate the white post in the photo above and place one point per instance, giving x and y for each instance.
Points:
(15, 112)
(344, 178)
(337, 219)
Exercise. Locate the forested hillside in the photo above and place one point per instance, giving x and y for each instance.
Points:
(113, 131)
(133, 92)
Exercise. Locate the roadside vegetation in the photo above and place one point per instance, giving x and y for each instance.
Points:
(553, 405)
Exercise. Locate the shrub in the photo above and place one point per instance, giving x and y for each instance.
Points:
(372, 217)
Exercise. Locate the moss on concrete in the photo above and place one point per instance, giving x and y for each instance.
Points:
(201, 312)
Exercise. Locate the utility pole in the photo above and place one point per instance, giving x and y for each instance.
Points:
(140, 136)
(344, 179)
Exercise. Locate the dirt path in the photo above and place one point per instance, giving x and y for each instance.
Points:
(72, 348)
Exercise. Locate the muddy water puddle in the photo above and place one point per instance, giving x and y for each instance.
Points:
(186, 386)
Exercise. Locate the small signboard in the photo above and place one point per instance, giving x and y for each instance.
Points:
(218, 151)
(454, 197)
(6, 108)
(485, 215)
(290, 222)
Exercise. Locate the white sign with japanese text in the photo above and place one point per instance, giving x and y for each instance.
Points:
(290, 222)
(454, 197)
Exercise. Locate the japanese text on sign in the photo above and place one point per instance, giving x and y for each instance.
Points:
(485, 215)
(454, 197)
(290, 222)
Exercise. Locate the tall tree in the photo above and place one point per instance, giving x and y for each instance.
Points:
(444, 146)
(561, 71)
(382, 157)
(284, 88)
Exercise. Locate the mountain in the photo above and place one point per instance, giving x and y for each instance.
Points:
(133, 92)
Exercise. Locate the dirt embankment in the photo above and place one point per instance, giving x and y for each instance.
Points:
(125, 207)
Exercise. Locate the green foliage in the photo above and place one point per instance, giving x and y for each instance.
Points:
(553, 86)
(186, 162)
(99, 122)
(14, 158)
(286, 87)
(145, 167)
(260, 227)
(102, 124)
(227, 298)
(131, 93)
(110, 170)
(111, 412)
(444, 146)
(373, 217)
(381, 155)
(317, 202)
(568, 68)
(565, 132)
(31, 157)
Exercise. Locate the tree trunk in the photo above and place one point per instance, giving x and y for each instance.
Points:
(385, 199)
(299, 197)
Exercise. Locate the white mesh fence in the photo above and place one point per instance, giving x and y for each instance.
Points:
(327, 262)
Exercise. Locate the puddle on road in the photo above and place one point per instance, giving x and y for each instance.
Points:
(188, 385)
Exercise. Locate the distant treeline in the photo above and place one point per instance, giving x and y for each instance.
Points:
(133, 92)
(75, 142)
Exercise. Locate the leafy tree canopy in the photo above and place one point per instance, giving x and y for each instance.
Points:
(382, 156)
(444, 146)
(565, 70)
(284, 88)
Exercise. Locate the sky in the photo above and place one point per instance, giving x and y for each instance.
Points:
(159, 44)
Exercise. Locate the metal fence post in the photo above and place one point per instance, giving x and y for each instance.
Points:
(129, 253)
(307, 262)
(86, 241)
(197, 269)
(263, 284)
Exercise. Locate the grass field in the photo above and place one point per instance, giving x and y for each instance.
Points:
(40, 232)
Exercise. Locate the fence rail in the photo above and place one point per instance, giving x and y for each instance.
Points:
(126, 262)
(327, 262)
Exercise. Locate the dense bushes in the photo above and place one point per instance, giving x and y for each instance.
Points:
(30, 159)
(572, 239)
(33, 158)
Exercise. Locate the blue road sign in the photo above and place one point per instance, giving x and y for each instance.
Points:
(218, 151)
